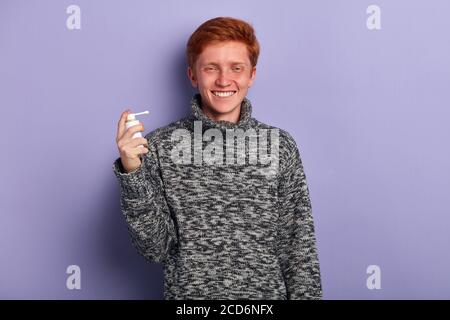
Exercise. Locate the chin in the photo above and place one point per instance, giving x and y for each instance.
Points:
(219, 108)
(223, 107)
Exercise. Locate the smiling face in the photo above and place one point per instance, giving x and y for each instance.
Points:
(223, 74)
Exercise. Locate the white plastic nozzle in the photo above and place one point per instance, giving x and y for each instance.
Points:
(131, 116)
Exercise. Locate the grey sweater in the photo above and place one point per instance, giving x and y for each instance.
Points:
(222, 230)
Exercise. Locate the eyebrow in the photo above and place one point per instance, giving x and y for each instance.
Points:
(216, 64)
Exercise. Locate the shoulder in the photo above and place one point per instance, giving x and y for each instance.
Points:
(288, 150)
(287, 143)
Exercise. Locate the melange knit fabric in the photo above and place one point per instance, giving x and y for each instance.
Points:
(221, 230)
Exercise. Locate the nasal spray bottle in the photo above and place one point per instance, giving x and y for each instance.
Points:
(132, 121)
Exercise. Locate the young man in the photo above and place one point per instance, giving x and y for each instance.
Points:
(226, 224)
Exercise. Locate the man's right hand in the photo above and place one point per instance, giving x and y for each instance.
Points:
(128, 146)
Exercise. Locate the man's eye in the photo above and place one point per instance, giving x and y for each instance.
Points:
(210, 68)
(237, 69)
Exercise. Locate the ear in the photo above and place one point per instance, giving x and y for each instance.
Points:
(192, 77)
(252, 77)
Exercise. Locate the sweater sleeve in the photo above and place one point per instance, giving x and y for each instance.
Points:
(296, 240)
(145, 209)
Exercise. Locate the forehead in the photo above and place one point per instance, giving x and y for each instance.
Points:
(224, 52)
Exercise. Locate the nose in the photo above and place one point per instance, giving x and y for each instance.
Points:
(222, 80)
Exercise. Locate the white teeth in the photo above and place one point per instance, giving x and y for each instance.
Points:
(223, 94)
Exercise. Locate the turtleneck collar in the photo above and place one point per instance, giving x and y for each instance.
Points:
(244, 119)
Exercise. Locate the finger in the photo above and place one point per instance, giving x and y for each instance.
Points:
(142, 153)
(138, 141)
(132, 130)
(127, 137)
(121, 125)
(138, 151)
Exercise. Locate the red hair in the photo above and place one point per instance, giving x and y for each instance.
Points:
(222, 29)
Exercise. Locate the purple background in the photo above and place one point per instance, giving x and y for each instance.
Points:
(368, 109)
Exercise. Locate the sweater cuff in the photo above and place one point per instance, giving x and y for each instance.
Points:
(133, 185)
